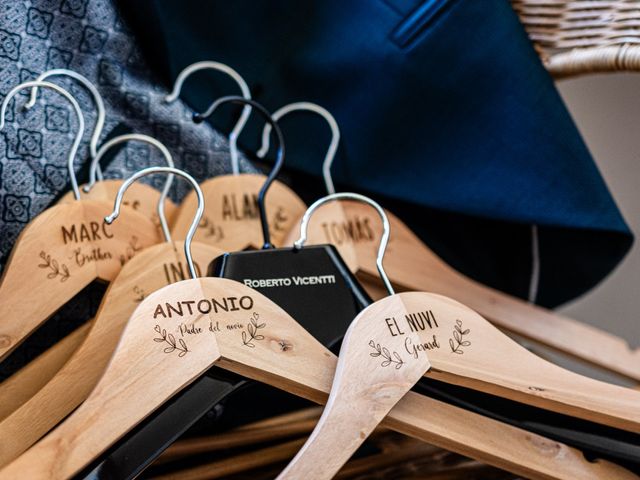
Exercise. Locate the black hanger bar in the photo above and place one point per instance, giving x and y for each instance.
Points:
(275, 171)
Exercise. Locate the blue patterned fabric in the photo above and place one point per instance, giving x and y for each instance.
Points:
(89, 37)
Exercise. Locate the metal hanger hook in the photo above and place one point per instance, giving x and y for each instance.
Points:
(246, 93)
(137, 137)
(79, 116)
(199, 117)
(196, 218)
(384, 240)
(333, 146)
(97, 99)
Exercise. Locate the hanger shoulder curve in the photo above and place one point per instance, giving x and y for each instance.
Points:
(536, 323)
(37, 265)
(60, 252)
(150, 270)
(465, 349)
(231, 220)
(548, 328)
(147, 353)
(57, 254)
(141, 197)
(153, 360)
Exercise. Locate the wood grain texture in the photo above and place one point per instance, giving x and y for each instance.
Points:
(258, 339)
(231, 220)
(150, 270)
(355, 230)
(48, 267)
(311, 413)
(469, 351)
(399, 331)
(23, 384)
(373, 373)
(140, 197)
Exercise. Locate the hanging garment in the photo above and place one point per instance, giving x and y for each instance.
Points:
(453, 122)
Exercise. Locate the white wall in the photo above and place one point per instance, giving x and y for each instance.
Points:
(606, 109)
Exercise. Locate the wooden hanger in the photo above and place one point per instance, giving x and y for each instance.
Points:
(398, 339)
(156, 362)
(280, 427)
(232, 220)
(180, 331)
(26, 382)
(142, 197)
(151, 269)
(62, 250)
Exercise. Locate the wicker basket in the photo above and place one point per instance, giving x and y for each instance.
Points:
(583, 36)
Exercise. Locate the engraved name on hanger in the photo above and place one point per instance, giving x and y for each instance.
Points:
(354, 230)
(203, 306)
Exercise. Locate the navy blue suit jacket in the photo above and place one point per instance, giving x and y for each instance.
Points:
(447, 116)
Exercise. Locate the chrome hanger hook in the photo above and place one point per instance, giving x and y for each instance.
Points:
(137, 137)
(97, 99)
(79, 116)
(246, 93)
(384, 240)
(196, 218)
(333, 146)
(199, 117)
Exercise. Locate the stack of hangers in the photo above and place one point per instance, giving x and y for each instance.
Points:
(219, 305)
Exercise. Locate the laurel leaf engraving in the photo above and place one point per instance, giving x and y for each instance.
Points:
(252, 331)
(457, 341)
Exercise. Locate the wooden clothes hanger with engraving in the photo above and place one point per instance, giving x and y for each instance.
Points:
(411, 265)
(400, 338)
(340, 300)
(232, 219)
(62, 250)
(151, 269)
(183, 329)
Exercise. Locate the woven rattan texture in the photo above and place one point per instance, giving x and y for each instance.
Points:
(583, 36)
